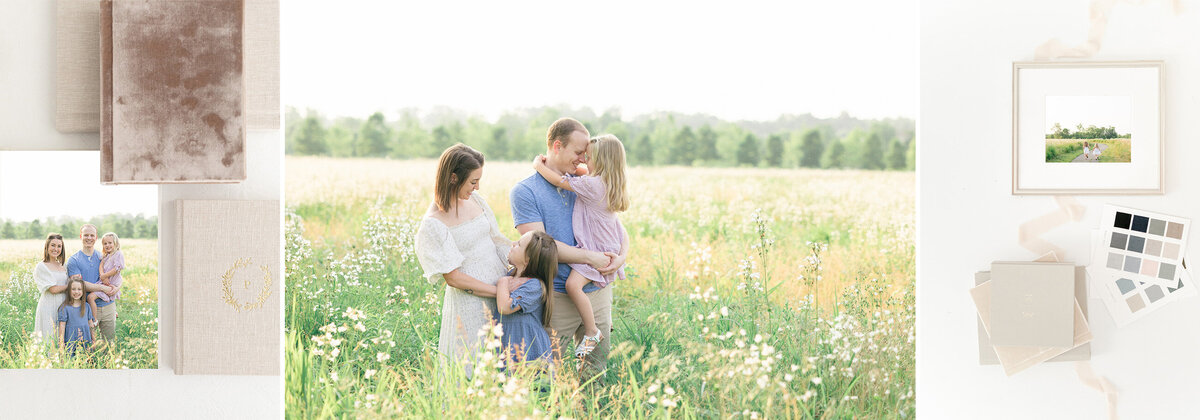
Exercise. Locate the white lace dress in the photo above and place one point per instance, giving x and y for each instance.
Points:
(45, 320)
(476, 248)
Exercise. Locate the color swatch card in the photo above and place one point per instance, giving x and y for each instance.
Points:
(1032, 304)
(1137, 261)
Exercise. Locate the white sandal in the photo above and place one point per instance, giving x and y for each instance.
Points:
(588, 344)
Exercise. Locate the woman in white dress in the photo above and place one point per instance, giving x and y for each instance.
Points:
(50, 276)
(460, 242)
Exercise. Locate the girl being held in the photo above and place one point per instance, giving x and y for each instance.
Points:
(75, 320)
(599, 196)
(110, 269)
(522, 300)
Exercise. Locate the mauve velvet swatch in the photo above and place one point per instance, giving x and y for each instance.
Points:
(173, 95)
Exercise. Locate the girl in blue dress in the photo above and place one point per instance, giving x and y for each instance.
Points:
(75, 320)
(524, 309)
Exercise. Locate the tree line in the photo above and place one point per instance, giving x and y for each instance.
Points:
(124, 225)
(1085, 133)
(657, 139)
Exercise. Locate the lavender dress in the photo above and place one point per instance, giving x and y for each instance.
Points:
(116, 261)
(596, 228)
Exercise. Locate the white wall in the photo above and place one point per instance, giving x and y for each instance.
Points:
(27, 123)
(968, 218)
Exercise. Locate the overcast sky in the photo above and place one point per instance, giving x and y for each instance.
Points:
(1100, 111)
(38, 185)
(745, 60)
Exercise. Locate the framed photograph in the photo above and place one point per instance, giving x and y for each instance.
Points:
(1088, 128)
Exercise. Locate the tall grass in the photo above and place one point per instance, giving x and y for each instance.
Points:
(755, 293)
(136, 346)
(1066, 150)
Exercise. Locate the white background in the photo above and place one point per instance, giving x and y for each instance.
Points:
(27, 123)
(967, 217)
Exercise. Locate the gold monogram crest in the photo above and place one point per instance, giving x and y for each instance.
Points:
(227, 284)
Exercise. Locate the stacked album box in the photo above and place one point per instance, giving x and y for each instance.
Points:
(1031, 312)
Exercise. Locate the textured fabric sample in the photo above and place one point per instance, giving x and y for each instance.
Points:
(78, 65)
(177, 93)
(229, 287)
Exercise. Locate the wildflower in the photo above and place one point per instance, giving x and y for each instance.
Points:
(381, 357)
(816, 380)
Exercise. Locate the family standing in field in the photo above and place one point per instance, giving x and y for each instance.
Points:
(79, 293)
(555, 281)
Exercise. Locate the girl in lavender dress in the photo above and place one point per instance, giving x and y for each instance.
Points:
(599, 196)
(524, 309)
(75, 320)
(110, 269)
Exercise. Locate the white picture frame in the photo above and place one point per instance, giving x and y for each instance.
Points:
(1081, 94)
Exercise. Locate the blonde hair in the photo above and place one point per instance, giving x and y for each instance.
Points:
(607, 160)
(116, 242)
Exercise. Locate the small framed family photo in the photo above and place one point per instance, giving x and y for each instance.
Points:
(1088, 128)
(78, 265)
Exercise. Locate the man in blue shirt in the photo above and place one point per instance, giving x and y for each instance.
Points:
(85, 265)
(539, 205)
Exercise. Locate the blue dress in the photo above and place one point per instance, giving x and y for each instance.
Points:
(523, 330)
(78, 332)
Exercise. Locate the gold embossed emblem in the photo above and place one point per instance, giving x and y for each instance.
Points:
(227, 285)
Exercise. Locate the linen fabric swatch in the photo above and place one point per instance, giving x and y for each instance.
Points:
(229, 287)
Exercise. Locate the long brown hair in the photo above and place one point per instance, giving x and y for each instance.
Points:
(83, 305)
(454, 168)
(62, 254)
(541, 257)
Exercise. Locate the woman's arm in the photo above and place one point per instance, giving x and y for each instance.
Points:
(503, 300)
(551, 176)
(459, 280)
(57, 289)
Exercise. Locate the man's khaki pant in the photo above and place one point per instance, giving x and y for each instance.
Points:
(107, 315)
(568, 327)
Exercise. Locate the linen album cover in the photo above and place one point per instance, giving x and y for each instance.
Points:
(173, 97)
(987, 353)
(1032, 304)
(229, 287)
(1014, 359)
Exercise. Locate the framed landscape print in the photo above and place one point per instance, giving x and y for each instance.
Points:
(1088, 127)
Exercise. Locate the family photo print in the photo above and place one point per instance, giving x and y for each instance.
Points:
(81, 265)
(580, 235)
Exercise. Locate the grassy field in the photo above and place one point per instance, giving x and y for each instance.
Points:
(752, 293)
(1065, 150)
(137, 322)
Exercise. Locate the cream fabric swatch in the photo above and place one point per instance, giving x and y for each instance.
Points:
(230, 284)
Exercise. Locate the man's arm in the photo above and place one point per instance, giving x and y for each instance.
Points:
(568, 254)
